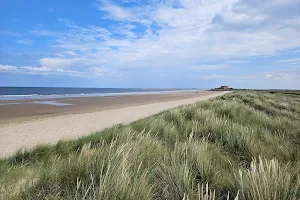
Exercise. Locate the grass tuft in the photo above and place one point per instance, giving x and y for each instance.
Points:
(243, 145)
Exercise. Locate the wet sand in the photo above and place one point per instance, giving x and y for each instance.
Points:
(27, 111)
(45, 124)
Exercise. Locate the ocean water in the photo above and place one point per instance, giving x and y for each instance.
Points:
(25, 93)
(51, 103)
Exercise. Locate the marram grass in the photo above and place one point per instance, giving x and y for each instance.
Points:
(243, 145)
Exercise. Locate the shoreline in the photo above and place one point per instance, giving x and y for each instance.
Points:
(20, 111)
(28, 134)
(29, 97)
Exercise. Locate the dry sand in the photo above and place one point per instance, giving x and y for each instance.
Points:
(52, 129)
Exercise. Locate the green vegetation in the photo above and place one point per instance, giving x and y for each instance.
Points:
(243, 145)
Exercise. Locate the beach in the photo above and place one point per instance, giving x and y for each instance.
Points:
(18, 111)
(234, 141)
(27, 125)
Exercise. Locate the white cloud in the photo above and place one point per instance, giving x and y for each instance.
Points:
(3, 32)
(117, 12)
(281, 79)
(237, 61)
(26, 42)
(37, 70)
(209, 67)
(7, 68)
(242, 19)
(228, 77)
(176, 34)
(269, 75)
(291, 61)
(72, 53)
(291, 75)
(66, 54)
(190, 32)
(60, 62)
(97, 70)
(278, 76)
(124, 30)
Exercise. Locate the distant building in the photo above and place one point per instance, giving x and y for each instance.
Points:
(223, 88)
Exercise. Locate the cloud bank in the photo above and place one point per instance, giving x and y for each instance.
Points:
(174, 35)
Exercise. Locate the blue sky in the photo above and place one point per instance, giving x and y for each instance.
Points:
(154, 43)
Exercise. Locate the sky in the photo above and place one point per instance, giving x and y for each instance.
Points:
(150, 43)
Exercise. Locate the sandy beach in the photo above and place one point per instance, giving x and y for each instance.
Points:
(27, 125)
(24, 110)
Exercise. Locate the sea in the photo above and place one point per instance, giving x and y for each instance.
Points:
(28, 93)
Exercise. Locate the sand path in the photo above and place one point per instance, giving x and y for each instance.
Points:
(51, 130)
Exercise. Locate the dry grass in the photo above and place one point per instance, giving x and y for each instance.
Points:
(244, 145)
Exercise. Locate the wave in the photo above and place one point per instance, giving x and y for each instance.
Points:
(52, 96)
(18, 95)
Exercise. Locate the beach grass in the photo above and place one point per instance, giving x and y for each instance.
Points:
(243, 145)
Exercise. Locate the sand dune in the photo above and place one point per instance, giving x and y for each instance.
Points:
(51, 130)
